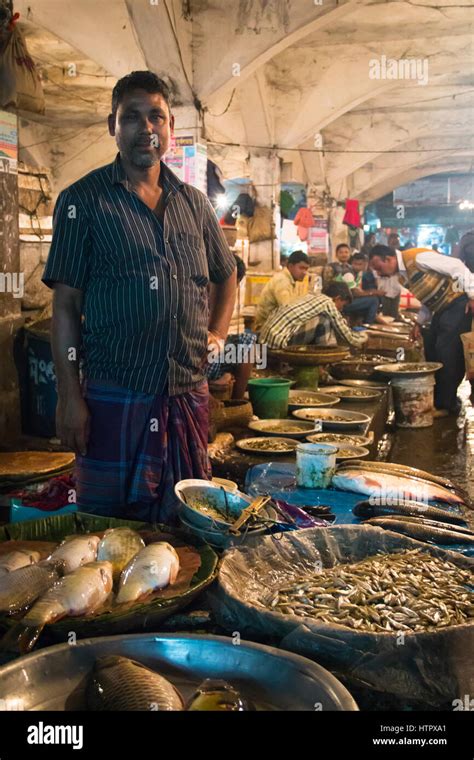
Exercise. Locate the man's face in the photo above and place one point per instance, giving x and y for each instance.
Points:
(359, 265)
(298, 271)
(142, 128)
(343, 254)
(394, 241)
(339, 303)
(384, 267)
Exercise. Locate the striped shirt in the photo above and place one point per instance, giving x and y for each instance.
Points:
(288, 323)
(145, 304)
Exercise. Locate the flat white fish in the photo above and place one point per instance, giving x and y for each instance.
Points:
(21, 587)
(75, 551)
(155, 566)
(18, 558)
(79, 593)
(119, 546)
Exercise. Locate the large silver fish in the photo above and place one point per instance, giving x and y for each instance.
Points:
(18, 558)
(422, 532)
(425, 521)
(21, 587)
(154, 567)
(118, 683)
(378, 508)
(382, 485)
(119, 546)
(79, 593)
(394, 468)
(75, 551)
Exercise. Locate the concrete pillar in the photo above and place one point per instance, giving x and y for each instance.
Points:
(264, 171)
(10, 295)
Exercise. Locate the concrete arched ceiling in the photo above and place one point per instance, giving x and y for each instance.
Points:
(269, 73)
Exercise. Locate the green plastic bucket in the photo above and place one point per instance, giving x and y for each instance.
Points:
(269, 397)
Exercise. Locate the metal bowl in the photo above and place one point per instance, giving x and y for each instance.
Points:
(408, 369)
(218, 497)
(351, 419)
(265, 427)
(350, 394)
(314, 398)
(55, 678)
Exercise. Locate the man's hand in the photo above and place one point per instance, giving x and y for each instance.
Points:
(416, 332)
(470, 306)
(73, 423)
(215, 342)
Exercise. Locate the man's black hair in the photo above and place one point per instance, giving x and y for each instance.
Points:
(139, 80)
(359, 256)
(241, 268)
(298, 257)
(338, 289)
(383, 251)
(342, 245)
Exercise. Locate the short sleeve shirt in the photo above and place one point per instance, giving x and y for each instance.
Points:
(145, 283)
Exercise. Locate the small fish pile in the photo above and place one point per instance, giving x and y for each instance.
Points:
(404, 591)
(119, 683)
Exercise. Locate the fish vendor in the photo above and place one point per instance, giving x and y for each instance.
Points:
(313, 319)
(132, 254)
(282, 288)
(445, 287)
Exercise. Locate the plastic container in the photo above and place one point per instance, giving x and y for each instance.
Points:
(315, 464)
(269, 397)
(20, 512)
(413, 399)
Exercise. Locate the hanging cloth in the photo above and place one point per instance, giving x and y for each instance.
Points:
(352, 215)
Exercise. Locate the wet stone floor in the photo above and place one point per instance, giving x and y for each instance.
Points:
(445, 449)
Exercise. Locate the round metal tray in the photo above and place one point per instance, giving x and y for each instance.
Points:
(55, 678)
(351, 419)
(408, 369)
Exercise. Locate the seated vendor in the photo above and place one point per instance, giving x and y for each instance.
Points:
(339, 267)
(313, 319)
(365, 303)
(281, 289)
(234, 361)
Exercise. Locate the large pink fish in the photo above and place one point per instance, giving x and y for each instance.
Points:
(381, 485)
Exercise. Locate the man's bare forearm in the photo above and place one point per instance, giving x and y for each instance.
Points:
(66, 339)
(222, 305)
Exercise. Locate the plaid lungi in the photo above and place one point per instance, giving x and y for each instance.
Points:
(140, 446)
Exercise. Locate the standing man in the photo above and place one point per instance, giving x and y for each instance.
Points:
(445, 287)
(133, 251)
(281, 289)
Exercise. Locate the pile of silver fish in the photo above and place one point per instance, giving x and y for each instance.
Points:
(118, 683)
(404, 591)
(78, 578)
